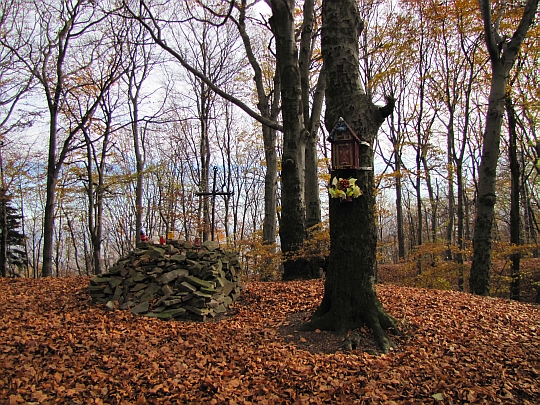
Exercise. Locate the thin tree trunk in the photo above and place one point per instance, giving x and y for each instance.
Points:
(451, 200)
(418, 189)
(457, 162)
(139, 172)
(460, 226)
(23, 228)
(399, 216)
(50, 192)
(90, 194)
(204, 182)
(515, 221)
(432, 199)
(73, 240)
(3, 219)
(397, 144)
(313, 202)
(269, 108)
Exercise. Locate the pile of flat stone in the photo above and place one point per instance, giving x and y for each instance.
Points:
(175, 280)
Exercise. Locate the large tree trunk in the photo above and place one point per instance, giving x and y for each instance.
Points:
(349, 299)
(485, 202)
(502, 55)
(293, 222)
(299, 172)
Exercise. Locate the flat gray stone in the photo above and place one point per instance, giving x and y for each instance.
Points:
(199, 282)
(184, 286)
(211, 245)
(167, 314)
(141, 308)
(172, 275)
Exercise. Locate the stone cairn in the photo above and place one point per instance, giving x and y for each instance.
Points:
(175, 280)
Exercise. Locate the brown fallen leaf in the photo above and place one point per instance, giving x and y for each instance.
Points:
(466, 348)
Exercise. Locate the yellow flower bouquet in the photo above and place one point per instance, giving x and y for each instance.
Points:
(344, 188)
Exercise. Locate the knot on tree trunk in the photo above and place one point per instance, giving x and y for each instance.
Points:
(488, 200)
(288, 162)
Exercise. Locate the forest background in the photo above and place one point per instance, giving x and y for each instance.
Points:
(105, 133)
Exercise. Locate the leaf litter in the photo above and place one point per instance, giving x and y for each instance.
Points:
(58, 348)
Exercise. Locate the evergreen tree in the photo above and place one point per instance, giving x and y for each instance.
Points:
(12, 240)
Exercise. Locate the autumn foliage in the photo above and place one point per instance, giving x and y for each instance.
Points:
(57, 348)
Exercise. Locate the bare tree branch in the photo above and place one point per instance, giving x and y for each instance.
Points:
(150, 23)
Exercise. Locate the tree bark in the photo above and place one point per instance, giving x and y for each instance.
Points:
(451, 200)
(349, 298)
(460, 227)
(515, 180)
(293, 230)
(269, 108)
(50, 192)
(397, 144)
(432, 199)
(399, 213)
(485, 202)
(91, 205)
(96, 190)
(418, 189)
(312, 121)
(138, 147)
(270, 185)
(502, 56)
(457, 161)
(300, 189)
(313, 202)
(204, 152)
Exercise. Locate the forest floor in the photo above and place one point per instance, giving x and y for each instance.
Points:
(58, 348)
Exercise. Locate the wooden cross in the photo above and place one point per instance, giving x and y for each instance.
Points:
(213, 194)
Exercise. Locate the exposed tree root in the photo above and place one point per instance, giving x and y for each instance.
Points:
(375, 318)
